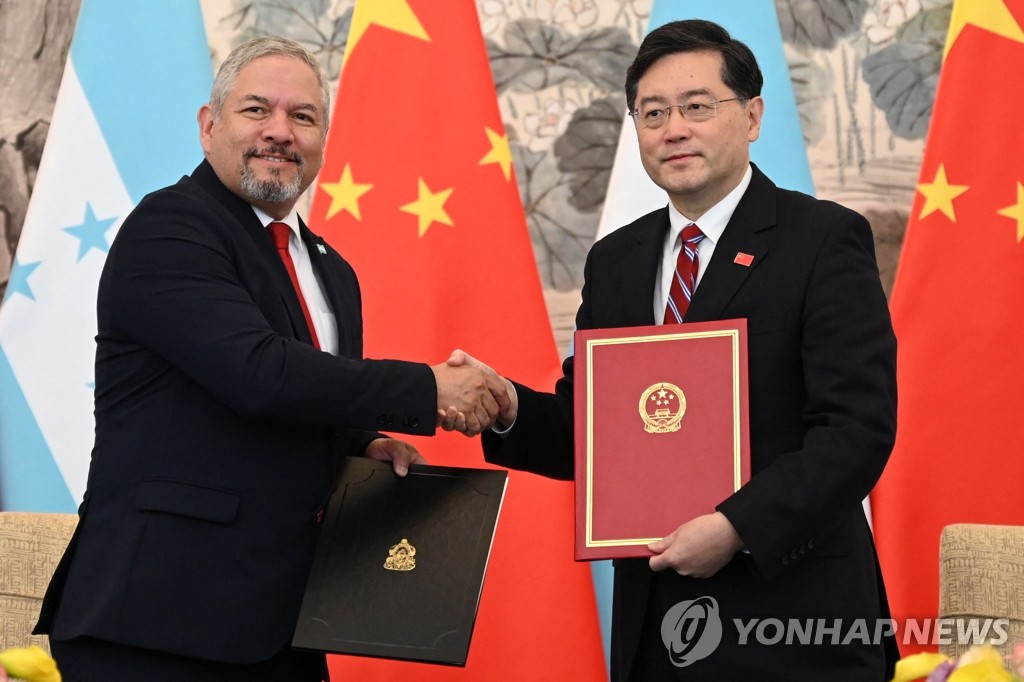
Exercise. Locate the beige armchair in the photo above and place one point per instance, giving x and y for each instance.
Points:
(981, 575)
(31, 544)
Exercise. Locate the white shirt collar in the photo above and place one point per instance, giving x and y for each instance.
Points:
(713, 222)
(291, 220)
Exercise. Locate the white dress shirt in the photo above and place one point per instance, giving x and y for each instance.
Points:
(312, 290)
(712, 224)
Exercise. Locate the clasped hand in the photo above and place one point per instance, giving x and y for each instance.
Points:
(699, 548)
(471, 396)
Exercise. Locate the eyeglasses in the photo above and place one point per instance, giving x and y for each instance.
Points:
(695, 110)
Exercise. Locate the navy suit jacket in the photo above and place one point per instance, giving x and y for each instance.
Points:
(218, 432)
(822, 411)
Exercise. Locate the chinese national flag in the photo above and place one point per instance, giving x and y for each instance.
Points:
(958, 309)
(418, 193)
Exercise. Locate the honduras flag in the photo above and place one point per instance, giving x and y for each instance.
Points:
(124, 125)
(780, 152)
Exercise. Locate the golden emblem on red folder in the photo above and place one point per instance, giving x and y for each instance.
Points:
(401, 557)
(662, 407)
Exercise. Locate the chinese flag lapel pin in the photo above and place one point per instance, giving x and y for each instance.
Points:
(744, 259)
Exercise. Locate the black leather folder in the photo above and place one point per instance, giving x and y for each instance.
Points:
(399, 568)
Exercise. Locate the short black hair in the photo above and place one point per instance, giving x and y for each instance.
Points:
(740, 71)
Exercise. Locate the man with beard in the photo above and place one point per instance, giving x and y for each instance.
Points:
(229, 381)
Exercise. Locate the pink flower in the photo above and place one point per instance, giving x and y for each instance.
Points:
(942, 672)
(1016, 659)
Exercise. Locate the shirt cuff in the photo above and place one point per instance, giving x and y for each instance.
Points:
(497, 428)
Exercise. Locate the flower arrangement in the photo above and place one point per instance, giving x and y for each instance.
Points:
(30, 664)
(978, 664)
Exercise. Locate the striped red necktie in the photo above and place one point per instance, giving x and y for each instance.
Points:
(280, 233)
(684, 280)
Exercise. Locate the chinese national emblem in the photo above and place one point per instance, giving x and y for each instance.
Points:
(662, 407)
(401, 557)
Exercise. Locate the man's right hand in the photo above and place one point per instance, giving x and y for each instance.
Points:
(475, 393)
(506, 397)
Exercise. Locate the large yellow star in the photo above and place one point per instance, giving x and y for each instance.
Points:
(393, 14)
(1016, 212)
(500, 153)
(939, 195)
(345, 194)
(429, 207)
(990, 15)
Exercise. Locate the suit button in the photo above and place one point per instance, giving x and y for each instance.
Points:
(785, 561)
(810, 544)
(803, 550)
(794, 554)
(412, 422)
(319, 518)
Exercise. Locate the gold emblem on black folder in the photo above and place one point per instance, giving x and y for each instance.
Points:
(662, 407)
(401, 557)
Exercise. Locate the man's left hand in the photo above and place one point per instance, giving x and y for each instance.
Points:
(698, 548)
(399, 453)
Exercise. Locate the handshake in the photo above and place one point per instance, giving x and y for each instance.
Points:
(471, 396)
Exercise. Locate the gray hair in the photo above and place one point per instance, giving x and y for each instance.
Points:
(265, 46)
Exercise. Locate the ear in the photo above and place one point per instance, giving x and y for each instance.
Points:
(206, 121)
(755, 110)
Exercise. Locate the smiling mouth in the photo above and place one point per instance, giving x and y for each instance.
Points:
(273, 156)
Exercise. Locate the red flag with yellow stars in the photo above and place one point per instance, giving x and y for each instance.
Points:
(418, 193)
(958, 310)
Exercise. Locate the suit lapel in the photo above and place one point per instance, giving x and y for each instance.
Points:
(205, 176)
(745, 235)
(250, 223)
(634, 272)
(331, 284)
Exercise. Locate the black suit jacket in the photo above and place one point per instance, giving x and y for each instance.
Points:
(218, 430)
(822, 424)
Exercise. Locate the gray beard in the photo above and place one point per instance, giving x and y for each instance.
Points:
(271, 191)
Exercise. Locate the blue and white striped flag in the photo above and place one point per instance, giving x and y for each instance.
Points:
(780, 151)
(124, 125)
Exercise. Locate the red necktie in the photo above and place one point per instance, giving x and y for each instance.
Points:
(280, 233)
(684, 280)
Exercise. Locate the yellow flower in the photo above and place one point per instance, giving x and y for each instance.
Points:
(981, 653)
(917, 667)
(30, 664)
(985, 671)
(980, 664)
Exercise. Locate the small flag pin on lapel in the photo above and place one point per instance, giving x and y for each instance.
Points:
(321, 249)
(744, 259)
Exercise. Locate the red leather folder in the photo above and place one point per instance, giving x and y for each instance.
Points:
(661, 431)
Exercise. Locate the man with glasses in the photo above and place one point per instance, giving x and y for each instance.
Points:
(791, 549)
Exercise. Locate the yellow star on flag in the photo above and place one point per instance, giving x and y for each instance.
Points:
(939, 195)
(1016, 212)
(345, 194)
(990, 15)
(393, 14)
(429, 207)
(500, 153)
